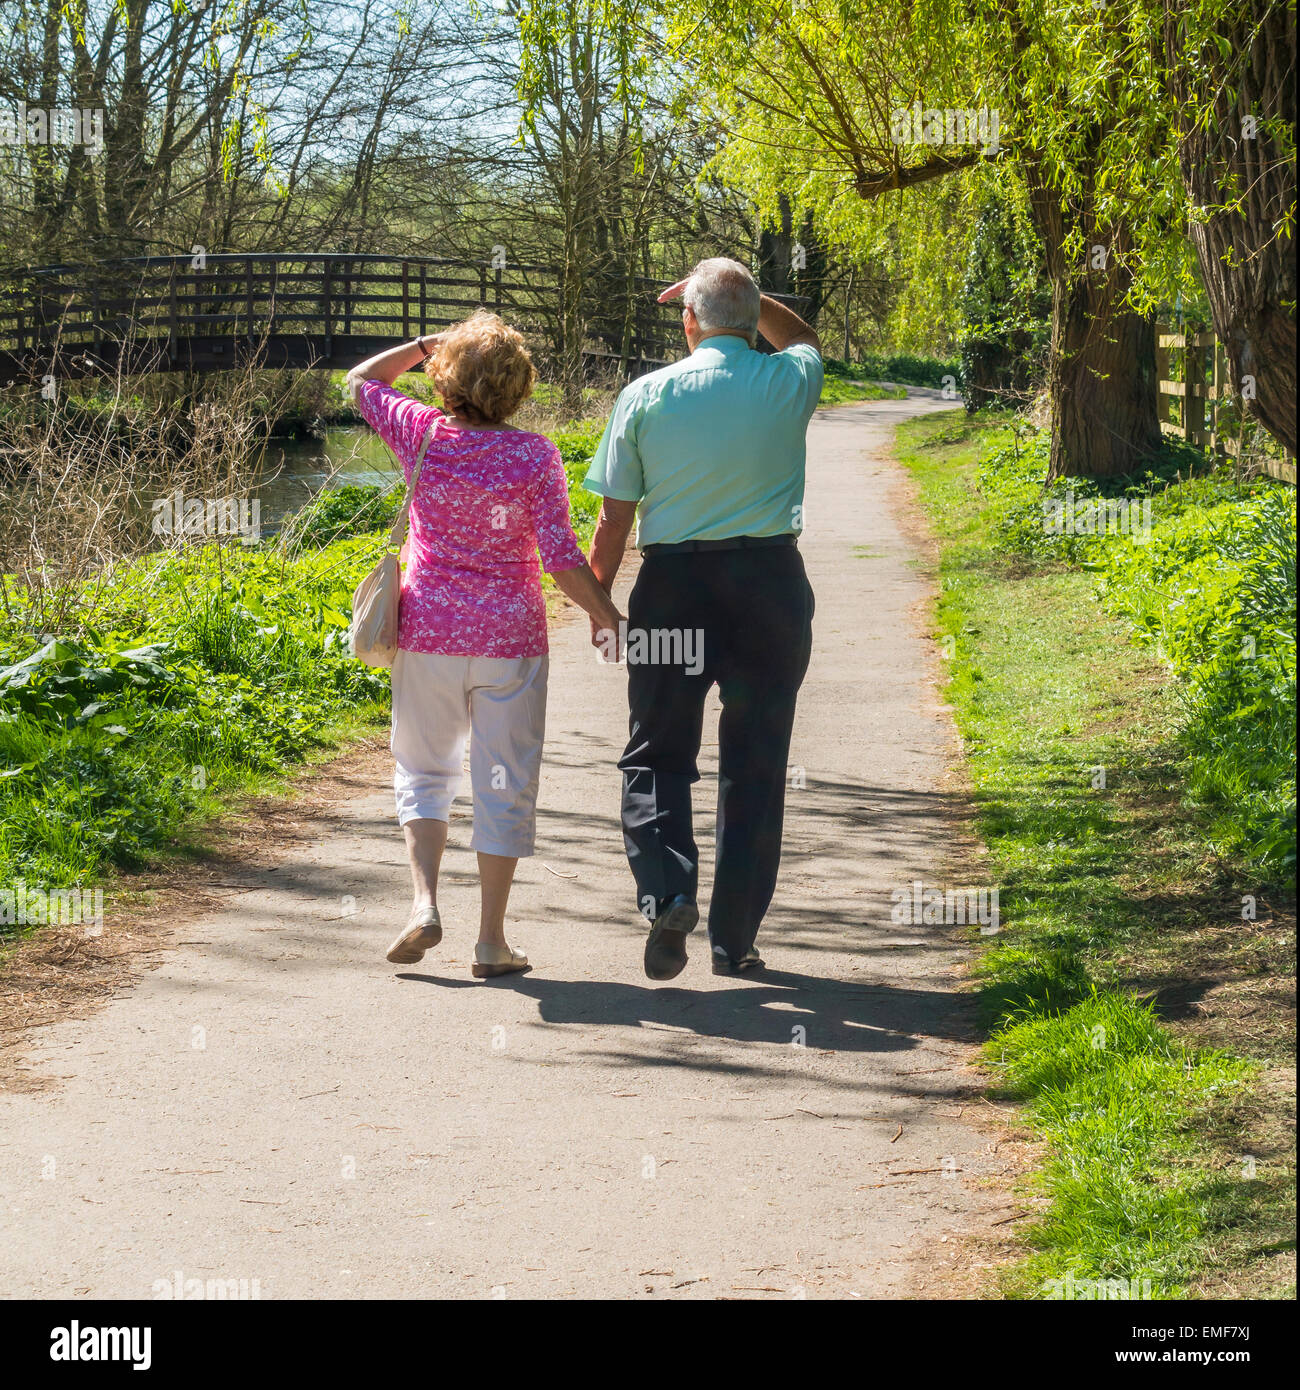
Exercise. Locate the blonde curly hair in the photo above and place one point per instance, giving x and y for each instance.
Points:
(481, 369)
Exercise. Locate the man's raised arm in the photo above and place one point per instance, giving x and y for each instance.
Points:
(784, 328)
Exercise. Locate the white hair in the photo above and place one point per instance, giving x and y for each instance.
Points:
(724, 297)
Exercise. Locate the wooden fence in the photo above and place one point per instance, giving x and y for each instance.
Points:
(1200, 381)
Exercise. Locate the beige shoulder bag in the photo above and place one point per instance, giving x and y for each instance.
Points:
(373, 638)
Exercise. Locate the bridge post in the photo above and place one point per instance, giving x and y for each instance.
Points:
(329, 336)
(347, 299)
(406, 299)
(96, 320)
(424, 297)
(482, 287)
(173, 319)
(248, 294)
(497, 288)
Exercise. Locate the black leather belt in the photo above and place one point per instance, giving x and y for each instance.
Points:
(731, 543)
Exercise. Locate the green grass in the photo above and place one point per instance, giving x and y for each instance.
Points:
(898, 367)
(839, 390)
(240, 672)
(191, 678)
(1116, 910)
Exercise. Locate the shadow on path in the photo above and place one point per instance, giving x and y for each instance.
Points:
(837, 1015)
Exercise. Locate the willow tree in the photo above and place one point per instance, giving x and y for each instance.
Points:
(838, 105)
(855, 99)
(1195, 102)
(1231, 71)
(1064, 96)
(1212, 87)
(1090, 120)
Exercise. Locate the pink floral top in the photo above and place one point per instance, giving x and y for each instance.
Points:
(488, 501)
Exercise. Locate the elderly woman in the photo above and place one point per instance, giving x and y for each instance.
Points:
(473, 653)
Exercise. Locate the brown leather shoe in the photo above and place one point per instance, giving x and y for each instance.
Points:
(422, 933)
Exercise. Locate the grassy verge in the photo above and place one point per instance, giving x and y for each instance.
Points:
(1138, 994)
(844, 385)
(187, 680)
(192, 677)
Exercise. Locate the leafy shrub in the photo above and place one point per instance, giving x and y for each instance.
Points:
(73, 683)
(900, 367)
(1210, 584)
(235, 667)
(1021, 502)
(1214, 591)
(577, 448)
(338, 513)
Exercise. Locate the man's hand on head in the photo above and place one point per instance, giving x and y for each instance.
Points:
(674, 291)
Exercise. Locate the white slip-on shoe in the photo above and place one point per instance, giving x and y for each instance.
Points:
(422, 933)
(497, 960)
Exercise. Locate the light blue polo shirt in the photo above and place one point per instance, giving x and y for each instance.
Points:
(712, 446)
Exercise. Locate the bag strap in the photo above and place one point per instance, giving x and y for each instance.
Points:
(397, 532)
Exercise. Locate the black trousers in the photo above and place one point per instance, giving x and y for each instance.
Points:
(752, 610)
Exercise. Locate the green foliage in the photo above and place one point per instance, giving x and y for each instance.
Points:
(902, 367)
(843, 385)
(76, 799)
(1214, 591)
(1020, 501)
(1006, 306)
(1099, 885)
(1210, 585)
(204, 671)
(576, 449)
(340, 512)
(72, 684)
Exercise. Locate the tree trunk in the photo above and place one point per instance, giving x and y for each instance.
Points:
(1101, 374)
(774, 247)
(1247, 260)
(1102, 380)
(126, 164)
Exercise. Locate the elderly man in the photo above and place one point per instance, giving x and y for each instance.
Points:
(707, 455)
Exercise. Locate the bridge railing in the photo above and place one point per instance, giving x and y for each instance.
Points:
(323, 309)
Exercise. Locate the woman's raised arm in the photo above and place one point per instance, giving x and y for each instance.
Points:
(388, 365)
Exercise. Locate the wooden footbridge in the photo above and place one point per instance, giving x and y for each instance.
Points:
(212, 313)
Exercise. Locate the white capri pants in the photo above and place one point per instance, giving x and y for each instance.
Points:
(500, 704)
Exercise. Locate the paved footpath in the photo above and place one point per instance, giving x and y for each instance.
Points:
(275, 1103)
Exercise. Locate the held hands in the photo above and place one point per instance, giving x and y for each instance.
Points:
(609, 637)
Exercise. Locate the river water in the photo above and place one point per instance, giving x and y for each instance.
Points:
(295, 470)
